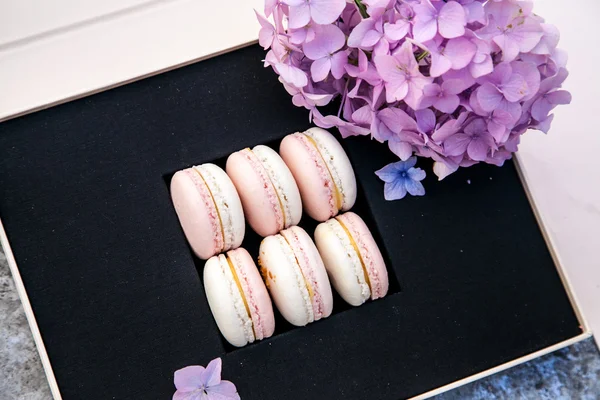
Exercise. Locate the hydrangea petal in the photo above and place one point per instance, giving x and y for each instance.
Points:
(223, 391)
(481, 69)
(212, 374)
(531, 75)
(395, 190)
(541, 108)
(544, 125)
(397, 120)
(477, 149)
(328, 39)
(359, 32)
(299, 15)
(416, 174)
(395, 79)
(559, 97)
(457, 144)
(396, 31)
(425, 120)
(424, 30)
(402, 149)
(440, 64)
(292, 75)
(489, 97)
(460, 52)
(515, 88)
(510, 48)
(527, 34)
(452, 86)
(443, 170)
(415, 188)
(498, 131)
(447, 104)
(388, 173)
(338, 64)
(452, 20)
(325, 12)
(189, 378)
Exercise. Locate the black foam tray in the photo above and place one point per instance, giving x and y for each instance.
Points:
(118, 296)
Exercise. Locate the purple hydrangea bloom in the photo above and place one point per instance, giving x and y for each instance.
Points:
(457, 81)
(199, 383)
(401, 178)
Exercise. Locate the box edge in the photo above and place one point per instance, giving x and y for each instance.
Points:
(35, 331)
(503, 367)
(562, 271)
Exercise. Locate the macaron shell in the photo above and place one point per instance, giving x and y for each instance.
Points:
(311, 175)
(259, 198)
(342, 263)
(228, 203)
(284, 182)
(257, 297)
(307, 254)
(226, 303)
(284, 281)
(197, 213)
(338, 163)
(370, 253)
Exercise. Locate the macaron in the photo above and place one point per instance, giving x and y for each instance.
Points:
(238, 298)
(295, 276)
(269, 193)
(209, 209)
(352, 259)
(322, 170)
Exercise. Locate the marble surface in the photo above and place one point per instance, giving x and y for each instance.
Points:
(572, 373)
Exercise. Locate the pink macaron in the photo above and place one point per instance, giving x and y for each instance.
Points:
(209, 209)
(238, 298)
(322, 170)
(269, 193)
(352, 258)
(295, 276)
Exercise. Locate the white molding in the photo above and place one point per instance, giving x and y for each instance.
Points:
(116, 47)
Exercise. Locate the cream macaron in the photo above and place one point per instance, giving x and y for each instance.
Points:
(352, 258)
(209, 209)
(238, 298)
(268, 191)
(295, 276)
(322, 170)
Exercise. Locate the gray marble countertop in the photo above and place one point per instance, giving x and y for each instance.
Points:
(572, 373)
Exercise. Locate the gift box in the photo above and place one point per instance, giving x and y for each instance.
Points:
(115, 296)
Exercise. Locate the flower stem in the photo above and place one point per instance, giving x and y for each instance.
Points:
(361, 8)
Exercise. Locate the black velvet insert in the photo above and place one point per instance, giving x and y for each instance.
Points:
(118, 296)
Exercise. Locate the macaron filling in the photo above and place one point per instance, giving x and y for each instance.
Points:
(223, 212)
(277, 184)
(213, 213)
(328, 158)
(243, 283)
(305, 288)
(267, 183)
(308, 272)
(371, 272)
(353, 253)
(327, 181)
(242, 310)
